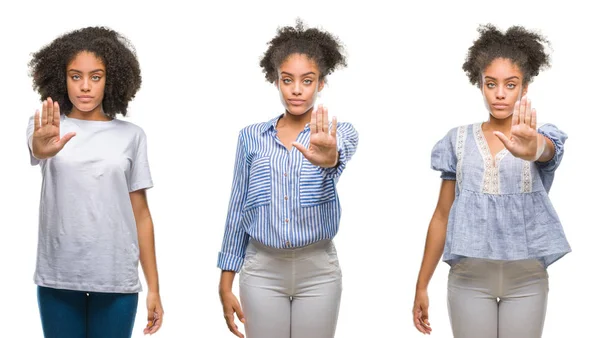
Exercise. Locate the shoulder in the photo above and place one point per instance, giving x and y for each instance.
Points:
(130, 128)
(253, 131)
(257, 129)
(456, 132)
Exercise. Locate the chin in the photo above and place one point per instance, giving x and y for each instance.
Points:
(86, 108)
(501, 115)
(297, 110)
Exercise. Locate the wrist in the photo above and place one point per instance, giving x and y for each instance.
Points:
(541, 146)
(421, 287)
(335, 162)
(153, 287)
(224, 291)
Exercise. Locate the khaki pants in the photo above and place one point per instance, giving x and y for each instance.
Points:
(497, 299)
(291, 293)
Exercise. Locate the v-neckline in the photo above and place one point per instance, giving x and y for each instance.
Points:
(298, 138)
(484, 148)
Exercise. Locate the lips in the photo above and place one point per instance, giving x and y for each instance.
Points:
(296, 102)
(499, 106)
(85, 98)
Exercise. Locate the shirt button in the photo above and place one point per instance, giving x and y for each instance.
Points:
(285, 174)
(288, 244)
(287, 220)
(285, 198)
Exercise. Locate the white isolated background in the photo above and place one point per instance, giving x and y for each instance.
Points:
(403, 90)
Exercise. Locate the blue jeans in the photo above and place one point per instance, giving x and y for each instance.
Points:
(79, 314)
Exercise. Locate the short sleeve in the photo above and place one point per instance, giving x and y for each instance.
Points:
(32, 160)
(558, 138)
(139, 177)
(443, 157)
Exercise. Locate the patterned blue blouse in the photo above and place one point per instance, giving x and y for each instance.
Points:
(501, 210)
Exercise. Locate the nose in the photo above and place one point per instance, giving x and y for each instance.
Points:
(85, 85)
(500, 93)
(297, 90)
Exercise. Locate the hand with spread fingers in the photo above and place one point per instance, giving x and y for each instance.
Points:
(524, 141)
(46, 141)
(322, 150)
(231, 305)
(421, 312)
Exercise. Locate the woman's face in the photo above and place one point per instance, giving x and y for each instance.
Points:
(86, 78)
(299, 84)
(502, 86)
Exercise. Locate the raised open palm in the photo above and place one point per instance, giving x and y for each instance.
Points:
(524, 141)
(46, 140)
(322, 150)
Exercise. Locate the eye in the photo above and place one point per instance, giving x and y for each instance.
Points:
(308, 81)
(511, 86)
(95, 77)
(75, 77)
(490, 85)
(287, 81)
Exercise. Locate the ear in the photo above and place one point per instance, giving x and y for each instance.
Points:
(525, 87)
(321, 84)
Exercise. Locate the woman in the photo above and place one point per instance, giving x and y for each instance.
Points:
(494, 222)
(94, 223)
(284, 208)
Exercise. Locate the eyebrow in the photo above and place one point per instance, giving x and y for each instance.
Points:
(290, 74)
(508, 78)
(93, 71)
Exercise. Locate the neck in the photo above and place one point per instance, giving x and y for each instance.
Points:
(503, 125)
(296, 121)
(95, 115)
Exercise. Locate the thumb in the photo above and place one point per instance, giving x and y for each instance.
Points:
(151, 318)
(503, 139)
(240, 314)
(300, 148)
(65, 139)
(425, 315)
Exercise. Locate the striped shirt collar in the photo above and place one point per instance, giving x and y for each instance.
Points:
(272, 125)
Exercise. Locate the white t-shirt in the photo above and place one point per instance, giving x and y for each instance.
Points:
(87, 231)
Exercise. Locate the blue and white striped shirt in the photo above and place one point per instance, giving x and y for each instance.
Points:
(278, 197)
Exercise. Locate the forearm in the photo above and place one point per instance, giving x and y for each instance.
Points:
(226, 283)
(148, 253)
(434, 247)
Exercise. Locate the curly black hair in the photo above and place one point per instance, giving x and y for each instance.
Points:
(48, 67)
(320, 46)
(524, 48)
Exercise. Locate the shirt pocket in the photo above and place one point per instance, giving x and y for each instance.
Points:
(259, 183)
(314, 189)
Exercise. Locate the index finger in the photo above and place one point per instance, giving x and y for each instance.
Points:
(154, 328)
(523, 109)
(417, 322)
(230, 319)
(334, 126)
(326, 120)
